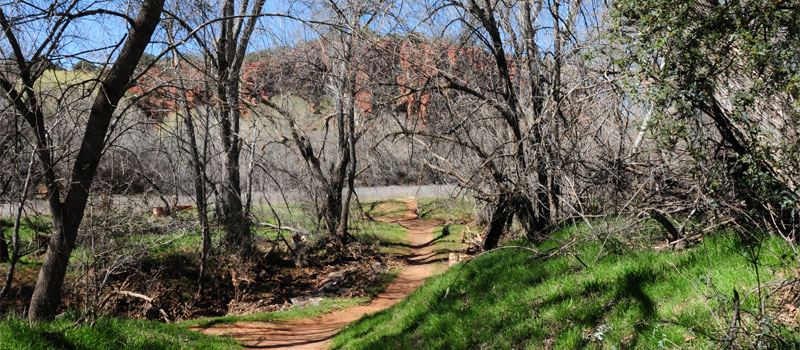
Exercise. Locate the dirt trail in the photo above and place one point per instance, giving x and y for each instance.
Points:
(316, 333)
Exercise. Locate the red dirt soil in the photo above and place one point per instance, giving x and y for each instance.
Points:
(315, 333)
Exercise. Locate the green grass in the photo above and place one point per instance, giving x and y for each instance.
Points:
(28, 227)
(384, 280)
(446, 209)
(171, 241)
(450, 243)
(506, 300)
(106, 333)
(308, 311)
(444, 245)
(296, 216)
(392, 238)
(390, 209)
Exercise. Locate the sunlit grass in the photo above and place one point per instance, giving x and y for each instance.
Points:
(450, 243)
(59, 77)
(105, 333)
(294, 215)
(446, 209)
(388, 209)
(637, 300)
(392, 238)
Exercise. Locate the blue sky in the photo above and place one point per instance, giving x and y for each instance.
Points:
(95, 38)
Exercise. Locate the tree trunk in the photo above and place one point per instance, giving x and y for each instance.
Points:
(502, 214)
(237, 227)
(231, 48)
(342, 232)
(199, 172)
(67, 216)
(3, 243)
(47, 293)
(332, 207)
(532, 223)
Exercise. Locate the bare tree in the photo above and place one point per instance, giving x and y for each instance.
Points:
(183, 89)
(344, 59)
(232, 43)
(20, 90)
(507, 100)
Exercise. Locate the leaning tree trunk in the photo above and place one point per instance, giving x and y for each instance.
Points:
(786, 220)
(67, 216)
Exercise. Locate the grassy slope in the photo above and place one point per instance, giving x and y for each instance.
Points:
(506, 300)
(107, 333)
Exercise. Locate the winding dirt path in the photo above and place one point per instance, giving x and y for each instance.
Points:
(315, 333)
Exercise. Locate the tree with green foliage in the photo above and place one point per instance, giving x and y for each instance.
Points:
(723, 79)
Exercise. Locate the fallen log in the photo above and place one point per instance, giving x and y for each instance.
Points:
(134, 295)
(285, 228)
(673, 234)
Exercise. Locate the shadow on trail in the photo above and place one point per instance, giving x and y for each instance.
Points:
(412, 246)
